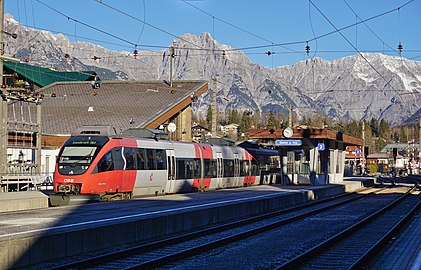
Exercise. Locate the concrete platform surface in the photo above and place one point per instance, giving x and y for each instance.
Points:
(33, 236)
(23, 200)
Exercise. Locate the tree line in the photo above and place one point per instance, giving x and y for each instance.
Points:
(378, 133)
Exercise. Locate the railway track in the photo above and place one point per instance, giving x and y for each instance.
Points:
(172, 249)
(352, 247)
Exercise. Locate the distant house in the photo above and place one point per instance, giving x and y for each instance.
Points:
(199, 132)
(230, 130)
(382, 161)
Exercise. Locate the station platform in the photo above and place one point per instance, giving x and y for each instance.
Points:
(23, 200)
(42, 234)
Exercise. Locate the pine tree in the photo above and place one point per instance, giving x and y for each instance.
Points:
(403, 135)
(271, 121)
(374, 125)
(384, 130)
(245, 122)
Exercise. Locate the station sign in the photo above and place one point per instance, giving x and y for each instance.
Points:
(321, 146)
(288, 142)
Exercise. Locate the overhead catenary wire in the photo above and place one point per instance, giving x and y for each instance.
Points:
(368, 27)
(326, 34)
(146, 23)
(132, 44)
(350, 43)
(235, 26)
(87, 25)
(143, 25)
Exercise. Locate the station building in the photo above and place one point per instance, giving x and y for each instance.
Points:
(308, 156)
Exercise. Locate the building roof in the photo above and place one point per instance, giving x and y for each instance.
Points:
(120, 104)
(380, 155)
(399, 147)
(45, 76)
(312, 133)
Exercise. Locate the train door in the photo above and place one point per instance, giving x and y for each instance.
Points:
(237, 178)
(170, 188)
(219, 170)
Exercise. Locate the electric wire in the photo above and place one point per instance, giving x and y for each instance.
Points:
(368, 27)
(235, 26)
(143, 25)
(146, 23)
(200, 48)
(368, 62)
(326, 34)
(85, 24)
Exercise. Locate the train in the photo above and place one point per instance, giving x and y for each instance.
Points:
(95, 164)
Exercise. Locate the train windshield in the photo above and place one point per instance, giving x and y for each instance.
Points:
(78, 153)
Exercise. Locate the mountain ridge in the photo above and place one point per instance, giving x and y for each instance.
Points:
(355, 87)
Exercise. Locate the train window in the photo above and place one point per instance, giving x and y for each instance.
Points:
(181, 169)
(254, 167)
(188, 168)
(151, 159)
(75, 160)
(160, 159)
(118, 161)
(197, 168)
(208, 169)
(140, 158)
(228, 168)
(106, 163)
(244, 168)
(214, 168)
(129, 155)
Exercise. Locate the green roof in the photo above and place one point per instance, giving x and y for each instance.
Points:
(45, 76)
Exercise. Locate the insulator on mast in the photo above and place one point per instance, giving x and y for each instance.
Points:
(400, 47)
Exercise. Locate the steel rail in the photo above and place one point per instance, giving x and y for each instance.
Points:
(300, 260)
(159, 260)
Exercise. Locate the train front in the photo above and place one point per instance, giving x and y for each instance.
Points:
(73, 168)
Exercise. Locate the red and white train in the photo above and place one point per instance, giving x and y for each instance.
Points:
(106, 167)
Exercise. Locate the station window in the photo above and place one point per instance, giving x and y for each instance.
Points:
(290, 162)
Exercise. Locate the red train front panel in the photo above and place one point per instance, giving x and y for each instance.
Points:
(92, 165)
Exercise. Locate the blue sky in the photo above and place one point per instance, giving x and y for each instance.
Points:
(256, 26)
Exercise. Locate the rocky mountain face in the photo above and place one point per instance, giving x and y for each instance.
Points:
(354, 88)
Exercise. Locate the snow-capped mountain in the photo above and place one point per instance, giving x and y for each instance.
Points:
(355, 87)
